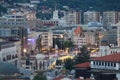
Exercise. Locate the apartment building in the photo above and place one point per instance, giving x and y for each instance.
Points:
(8, 53)
(91, 16)
(47, 39)
(109, 18)
(12, 24)
(72, 17)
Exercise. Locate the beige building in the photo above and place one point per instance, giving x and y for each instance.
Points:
(47, 39)
(110, 17)
(72, 18)
(31, 17)
(90, 37)
(91, 16)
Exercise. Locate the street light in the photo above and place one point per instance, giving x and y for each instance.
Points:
(100, 38)
(61, 36)
(55, 43)
(24, 50)
(49, 48)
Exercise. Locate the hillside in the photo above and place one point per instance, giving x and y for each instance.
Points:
(84, 5)
(99, 5)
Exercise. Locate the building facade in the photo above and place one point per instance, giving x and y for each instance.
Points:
(110, 17)
(8, 53)
(11, 25)
(91, 16)
(106, 50)
(72, 18)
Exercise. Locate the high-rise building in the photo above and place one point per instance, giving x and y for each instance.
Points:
(14, 26)
(47, 39)
(72, 18)
(109, 18)
(91, 16)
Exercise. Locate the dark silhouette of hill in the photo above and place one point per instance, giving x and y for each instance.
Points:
(98, 5)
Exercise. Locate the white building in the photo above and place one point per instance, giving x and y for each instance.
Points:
(106, 50)
(79, 41)
(8, 53)
(78, 37)
(34, 1)
(11, 24)
(55, 15)
(91, 16)
(42, 62)
(109, 63)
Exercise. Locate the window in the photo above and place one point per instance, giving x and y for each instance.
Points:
(108, 64)
(99, 63)
(105, 50)
(94, 63)
(114, 65)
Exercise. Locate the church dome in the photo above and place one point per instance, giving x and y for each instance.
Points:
(40, 56)
(94, 24)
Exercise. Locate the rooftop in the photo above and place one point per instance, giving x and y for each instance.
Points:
(109, 58)
(3, 43)
(83, 65)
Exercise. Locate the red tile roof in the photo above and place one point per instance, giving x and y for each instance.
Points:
(109, 58)
(78, 30)
(59, 78)
(83, 65)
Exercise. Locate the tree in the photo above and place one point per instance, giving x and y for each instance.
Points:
(68, 44)
(58, 62)
(68, 64)
(2, 9)
(83, 56)
(39, 77)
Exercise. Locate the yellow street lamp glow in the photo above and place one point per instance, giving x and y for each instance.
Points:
(24, 50)
(55, 36)
(61, 36)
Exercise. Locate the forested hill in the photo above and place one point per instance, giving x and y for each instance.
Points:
(99, 5)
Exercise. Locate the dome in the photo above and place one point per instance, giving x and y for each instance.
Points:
(94, 24)
(40, 56)
(7, 68)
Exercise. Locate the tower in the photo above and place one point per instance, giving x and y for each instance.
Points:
(55, 15)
